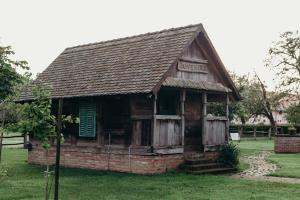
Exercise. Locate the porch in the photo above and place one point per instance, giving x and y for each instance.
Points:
(174, 121)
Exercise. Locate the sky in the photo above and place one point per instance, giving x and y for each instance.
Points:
(241, 31)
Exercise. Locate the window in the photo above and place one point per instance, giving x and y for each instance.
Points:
(87, 116)
(167, 105)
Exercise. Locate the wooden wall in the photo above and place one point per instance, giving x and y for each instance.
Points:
(193, 121)
(215, 130)
(195, 56)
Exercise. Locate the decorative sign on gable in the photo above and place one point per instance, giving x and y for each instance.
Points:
(192, 67)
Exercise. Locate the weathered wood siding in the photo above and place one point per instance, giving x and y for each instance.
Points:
(193, 121)
(215, 130)
(141, 109)
(168, 132)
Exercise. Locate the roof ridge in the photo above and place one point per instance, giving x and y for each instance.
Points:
(133, 37)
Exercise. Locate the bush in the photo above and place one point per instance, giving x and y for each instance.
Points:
(229, 155)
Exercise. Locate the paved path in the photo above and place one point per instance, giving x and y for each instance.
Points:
(260, 168)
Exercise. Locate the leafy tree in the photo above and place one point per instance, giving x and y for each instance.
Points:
(284, 58)
(9, 77)
(264, 103)
(10, 80)
(240, 110)
(293, 114)
(256, 101)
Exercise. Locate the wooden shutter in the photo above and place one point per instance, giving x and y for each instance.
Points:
(87, 116)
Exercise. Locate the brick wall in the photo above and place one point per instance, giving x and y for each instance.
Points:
(287, 144)
(93, 158)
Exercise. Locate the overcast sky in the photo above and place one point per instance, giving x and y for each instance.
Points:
(241, 31)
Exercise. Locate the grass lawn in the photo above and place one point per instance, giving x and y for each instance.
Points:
(249, 146)
(289, 164)
(24, 182)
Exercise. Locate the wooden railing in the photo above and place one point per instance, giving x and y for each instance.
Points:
(168, 130)
(215, 131)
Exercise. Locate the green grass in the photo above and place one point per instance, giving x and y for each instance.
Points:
(24, 182)
(289, 164)
(251, 146)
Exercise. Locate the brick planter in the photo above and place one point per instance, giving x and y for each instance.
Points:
(287, 143)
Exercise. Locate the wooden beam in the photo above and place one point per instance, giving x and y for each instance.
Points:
(155, 136)
(168, 117)
(227, 117)
(58, 138)
(204, 113)
(99, 129)
(182, 112)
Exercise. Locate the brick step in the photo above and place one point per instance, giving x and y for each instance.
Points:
(191, 156)
(211, 171)
(198, 161)
(212, 165)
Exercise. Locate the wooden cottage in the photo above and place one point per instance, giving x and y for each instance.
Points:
(144, 102)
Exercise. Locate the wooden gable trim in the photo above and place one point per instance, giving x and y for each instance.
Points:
(217, 62)
(172, 68)
(220, 63)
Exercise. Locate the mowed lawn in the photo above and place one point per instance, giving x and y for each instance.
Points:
(25, 181)
(289, 164)
(249, 146)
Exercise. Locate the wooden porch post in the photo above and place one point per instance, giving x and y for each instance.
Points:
(58, 138)
(227, 116)
(204, 113)
(99, 130)
(155, 136)
(182, 100)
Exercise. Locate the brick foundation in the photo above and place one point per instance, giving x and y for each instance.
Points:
(93, 158)
(287, 144)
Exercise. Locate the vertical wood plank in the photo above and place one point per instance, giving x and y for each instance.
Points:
(136, 132)
(155, 133)
(227, 116)
(182, 112)
(204, 113)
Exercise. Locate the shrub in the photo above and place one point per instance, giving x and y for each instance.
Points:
(229, 155)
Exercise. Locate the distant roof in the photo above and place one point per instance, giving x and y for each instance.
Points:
(122, 66)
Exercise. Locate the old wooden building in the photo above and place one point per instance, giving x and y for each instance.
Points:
(143, 101)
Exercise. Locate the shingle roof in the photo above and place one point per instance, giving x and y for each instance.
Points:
(191, 84)
(122, 66)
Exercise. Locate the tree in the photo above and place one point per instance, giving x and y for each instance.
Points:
(240, 110)
(38, 122)
(265, 102)
(284, 58)
(10, 80)
(256, 101)
(293, 114)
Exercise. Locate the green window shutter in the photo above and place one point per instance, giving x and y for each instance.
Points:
(87, 116)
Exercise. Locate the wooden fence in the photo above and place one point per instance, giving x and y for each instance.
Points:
(259, 130)
(23, 142)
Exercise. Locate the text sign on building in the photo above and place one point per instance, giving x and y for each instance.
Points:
(192, 67)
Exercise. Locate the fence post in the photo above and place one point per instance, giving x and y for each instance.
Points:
(270, 132)
(25, 141)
